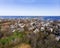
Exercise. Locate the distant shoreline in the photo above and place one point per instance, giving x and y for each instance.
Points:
(44, 17)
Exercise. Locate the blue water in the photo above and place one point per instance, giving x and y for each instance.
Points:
(44, 17)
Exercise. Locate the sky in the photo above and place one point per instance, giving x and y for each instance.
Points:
(30, 7)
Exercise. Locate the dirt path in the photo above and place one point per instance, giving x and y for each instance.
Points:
(23, 45)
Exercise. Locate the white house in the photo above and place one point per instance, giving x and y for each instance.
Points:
(42, 28)
(36, 30)
(21, 25)
(57, 38)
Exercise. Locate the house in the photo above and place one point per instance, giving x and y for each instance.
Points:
(36, 30)
(42, 28)
(20, 29)
(30, 28)
(12, 26)
(51, 29)
(21, 25)
(57, 38)
(14, 30)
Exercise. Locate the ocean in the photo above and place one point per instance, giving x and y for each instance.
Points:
(44, 17)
